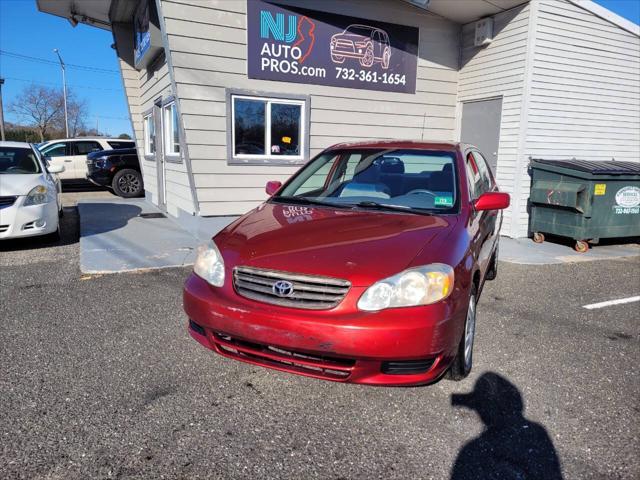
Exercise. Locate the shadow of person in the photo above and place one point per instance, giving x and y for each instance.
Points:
(511, 447)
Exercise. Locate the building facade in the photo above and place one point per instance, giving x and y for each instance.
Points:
(225, 95)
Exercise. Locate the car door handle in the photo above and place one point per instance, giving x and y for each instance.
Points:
(68, 161)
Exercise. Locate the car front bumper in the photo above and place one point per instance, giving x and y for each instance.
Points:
(19, 221)
(408, 346)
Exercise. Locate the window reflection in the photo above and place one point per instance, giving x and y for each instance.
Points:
(249, 126)
(285, 129)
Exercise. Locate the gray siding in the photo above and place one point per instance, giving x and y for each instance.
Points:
(585, 90)
(498, 70)
(207, 41)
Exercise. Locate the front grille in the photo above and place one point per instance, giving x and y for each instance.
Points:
(320, 366)
(7, 201)
(308, 292)
(407, 367)
(4, 228)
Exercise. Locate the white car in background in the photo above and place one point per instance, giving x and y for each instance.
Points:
(30, 201)
(72, 153)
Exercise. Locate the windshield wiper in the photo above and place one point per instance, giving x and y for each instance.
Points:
(396, 208)
(307, 201)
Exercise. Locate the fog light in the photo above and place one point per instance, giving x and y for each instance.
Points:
(39, 223)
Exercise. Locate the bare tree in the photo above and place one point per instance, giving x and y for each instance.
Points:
(38, 106)
(76, 111)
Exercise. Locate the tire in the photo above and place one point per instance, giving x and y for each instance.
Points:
(538, 237)
(492, 272)
(368, 58)
(386, 57)
(462, 364)
(127, 183)
(581, 246)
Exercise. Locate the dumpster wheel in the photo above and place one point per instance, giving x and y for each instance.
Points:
(581, 246)
(538, 237)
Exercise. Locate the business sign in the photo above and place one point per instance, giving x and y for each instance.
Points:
(291, 44)
(147, 41)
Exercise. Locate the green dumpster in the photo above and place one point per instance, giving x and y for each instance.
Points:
(584, 200)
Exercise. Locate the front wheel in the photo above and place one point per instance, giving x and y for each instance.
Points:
(127, 183)
(461, 366)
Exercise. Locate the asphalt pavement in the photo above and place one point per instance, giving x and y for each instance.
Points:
(100, 379)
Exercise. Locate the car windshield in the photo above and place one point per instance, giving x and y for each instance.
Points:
(404, 180)
(359, 30)
(18, 161)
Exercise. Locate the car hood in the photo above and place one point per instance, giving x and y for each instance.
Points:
(17, 185)
(361, 246)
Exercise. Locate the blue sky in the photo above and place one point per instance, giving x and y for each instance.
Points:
(25, 31)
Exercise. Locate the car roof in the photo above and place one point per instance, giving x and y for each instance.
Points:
(90, 138)
(401, 144)
(15, 144)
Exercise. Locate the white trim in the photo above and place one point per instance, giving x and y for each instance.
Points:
(267, 128)
(169, 129)
(608, 15)
(527, 81)
(146, 120)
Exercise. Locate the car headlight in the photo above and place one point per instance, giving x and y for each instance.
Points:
(413, 287)
(209, 265)
(39, 195)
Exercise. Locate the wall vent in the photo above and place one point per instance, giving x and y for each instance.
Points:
(484, 32)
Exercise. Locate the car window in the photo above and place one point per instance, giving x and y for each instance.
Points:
(478, 175)
(414, 179)
(56, 150)
(115, 144)
(86, 146)
(18, 161)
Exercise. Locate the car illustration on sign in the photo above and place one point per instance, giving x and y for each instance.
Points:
(367, 44)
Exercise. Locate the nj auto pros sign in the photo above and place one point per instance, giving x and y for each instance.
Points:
(291, 44)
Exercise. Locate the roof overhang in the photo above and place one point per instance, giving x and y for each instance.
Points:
(96, 13)
(465, 11)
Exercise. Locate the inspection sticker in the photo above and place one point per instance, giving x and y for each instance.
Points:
(601, 189)
(444, 201)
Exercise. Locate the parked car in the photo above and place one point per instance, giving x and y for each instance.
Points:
(30, 201)
(366, 44)
(117, 169)
(72, 153)
(365, 267)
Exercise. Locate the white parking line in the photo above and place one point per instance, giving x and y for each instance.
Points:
(608, 303)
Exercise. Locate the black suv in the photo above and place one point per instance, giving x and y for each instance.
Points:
(117, 169)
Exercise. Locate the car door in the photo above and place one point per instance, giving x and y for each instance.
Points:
(484, 224)
(79, 150)
(59, 153)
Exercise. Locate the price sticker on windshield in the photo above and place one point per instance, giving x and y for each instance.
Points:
(444, 201)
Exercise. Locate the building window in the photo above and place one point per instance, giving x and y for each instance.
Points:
(171, 135)
(265, 128)
(149, 135)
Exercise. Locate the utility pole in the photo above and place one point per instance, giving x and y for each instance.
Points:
(1, 112)
(64, 92)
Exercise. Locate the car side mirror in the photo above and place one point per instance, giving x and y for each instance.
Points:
(492, 201)
(272, 187)
(55, 168)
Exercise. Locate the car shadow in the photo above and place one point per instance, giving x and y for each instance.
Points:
(510, 447)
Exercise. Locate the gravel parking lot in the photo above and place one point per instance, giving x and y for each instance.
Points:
(100, 379)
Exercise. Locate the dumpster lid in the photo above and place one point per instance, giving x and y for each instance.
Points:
(608, 167)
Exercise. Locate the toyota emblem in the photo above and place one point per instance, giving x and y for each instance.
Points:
(282, 288)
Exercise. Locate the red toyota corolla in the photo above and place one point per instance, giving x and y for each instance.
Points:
(364, 267)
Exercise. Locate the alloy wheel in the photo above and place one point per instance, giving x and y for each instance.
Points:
(469, 332)
(129, 183)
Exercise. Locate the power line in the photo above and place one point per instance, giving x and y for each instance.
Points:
(19, 56)
(57, 84)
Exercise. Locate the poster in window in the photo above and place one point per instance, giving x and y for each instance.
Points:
(291, 44)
